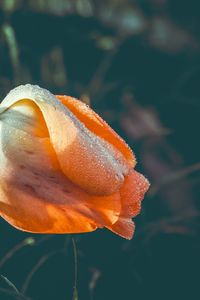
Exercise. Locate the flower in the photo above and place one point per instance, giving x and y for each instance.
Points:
(63, 169)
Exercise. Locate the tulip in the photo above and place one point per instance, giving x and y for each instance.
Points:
(63, 169)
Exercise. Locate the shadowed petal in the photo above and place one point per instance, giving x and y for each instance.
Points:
(36, 196)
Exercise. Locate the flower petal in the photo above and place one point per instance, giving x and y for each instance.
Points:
(86, 159)
(98, 126)
(131, 193)
(36, 196)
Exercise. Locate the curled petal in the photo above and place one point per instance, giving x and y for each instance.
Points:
(87, 160)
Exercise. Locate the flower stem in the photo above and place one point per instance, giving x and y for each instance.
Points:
(75, 290)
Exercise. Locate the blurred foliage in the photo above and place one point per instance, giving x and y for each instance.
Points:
(138, 64)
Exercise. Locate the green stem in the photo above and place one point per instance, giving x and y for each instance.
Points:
(75, 291)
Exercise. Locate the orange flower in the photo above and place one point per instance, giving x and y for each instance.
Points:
(63, 169)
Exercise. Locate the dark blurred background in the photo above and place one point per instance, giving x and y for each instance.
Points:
(137, 63)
